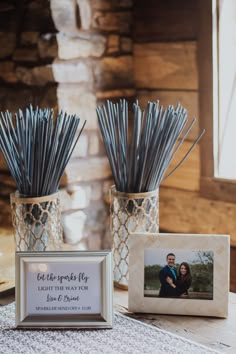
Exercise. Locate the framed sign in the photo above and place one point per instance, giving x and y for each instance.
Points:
(64, 289)
(180, 274)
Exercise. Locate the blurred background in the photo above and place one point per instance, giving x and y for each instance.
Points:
(75, 54)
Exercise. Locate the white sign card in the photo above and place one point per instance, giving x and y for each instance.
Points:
(64, 289)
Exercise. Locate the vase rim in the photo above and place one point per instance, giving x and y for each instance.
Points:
(134, 195)
(17, 197)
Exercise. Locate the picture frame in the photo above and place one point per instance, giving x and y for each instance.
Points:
(199, 288)
(64, 289)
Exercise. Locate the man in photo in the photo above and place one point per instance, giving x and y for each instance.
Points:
(169, 271)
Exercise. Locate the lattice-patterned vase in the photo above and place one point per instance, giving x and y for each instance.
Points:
(133, 212)
(36, 222)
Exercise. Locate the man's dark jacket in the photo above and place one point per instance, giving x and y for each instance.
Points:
(166, 289)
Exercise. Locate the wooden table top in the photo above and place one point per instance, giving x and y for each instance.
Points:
(216, 333)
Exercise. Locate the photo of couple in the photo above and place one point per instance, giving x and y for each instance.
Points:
(173, 283)
(178, 274)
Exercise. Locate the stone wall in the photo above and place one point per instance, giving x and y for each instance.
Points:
(28, 46)
(94, 63)
(74, 58)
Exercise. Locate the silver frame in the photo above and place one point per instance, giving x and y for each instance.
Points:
(103, 320)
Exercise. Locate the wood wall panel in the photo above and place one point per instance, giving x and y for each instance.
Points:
(166, 66)
(218, 189)
(182, 211)
(165, 20)
(187, 176)
(188, 99)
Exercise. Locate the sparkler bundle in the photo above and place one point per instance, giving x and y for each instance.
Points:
(37, 148)
(139, 158)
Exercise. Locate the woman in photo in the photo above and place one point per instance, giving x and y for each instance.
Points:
(183, 281)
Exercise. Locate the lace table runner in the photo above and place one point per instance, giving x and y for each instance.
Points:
(128, 336)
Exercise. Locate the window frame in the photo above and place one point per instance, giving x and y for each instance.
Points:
(210, 186)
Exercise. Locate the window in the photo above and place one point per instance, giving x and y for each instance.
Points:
(218, 105)
(225, 115)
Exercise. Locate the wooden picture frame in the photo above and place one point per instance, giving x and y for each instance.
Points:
(64, 289)
(205, 256)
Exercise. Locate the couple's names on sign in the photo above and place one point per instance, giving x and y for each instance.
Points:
(54, 288)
